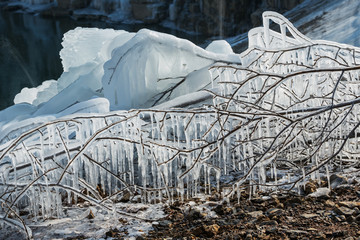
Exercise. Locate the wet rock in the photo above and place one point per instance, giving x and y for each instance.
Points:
(344, 211)
(337, 180)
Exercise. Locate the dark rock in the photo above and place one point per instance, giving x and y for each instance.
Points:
(296, 234)
(337, 180)
(206, 231)
(194, 214)
(256, 214)
(125, 197)
(335, 234)
(344, 211)
(310, 187)
(274, 212)
(149, 11)
(164, 223)
(269, 223)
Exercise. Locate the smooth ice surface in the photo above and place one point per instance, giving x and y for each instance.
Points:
(37, 95)
(84, 52)
(220, 46)
(162, 61)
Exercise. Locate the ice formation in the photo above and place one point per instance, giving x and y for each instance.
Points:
(283, 111)
(162, 62)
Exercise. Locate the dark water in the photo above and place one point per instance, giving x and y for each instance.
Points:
(30, 46)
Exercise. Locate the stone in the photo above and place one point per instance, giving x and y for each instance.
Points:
(349, 204)
(72, 4)
(164, 223)
(206, 231)
(296, 233)
(269, 223)
(337, 180)
(312, 229)
(344, 211)
(256, 214)
(274, 212)
(149, 11)
(194, 214)
(212, 229)
(125, 197)
(90, 215)
(329, 203)
(309, 215)
(310, 187)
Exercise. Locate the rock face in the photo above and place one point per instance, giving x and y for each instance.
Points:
(223, 17)
(207, 17)
(73, 4)
(149, 11)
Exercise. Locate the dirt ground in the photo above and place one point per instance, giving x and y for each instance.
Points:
(280, 216)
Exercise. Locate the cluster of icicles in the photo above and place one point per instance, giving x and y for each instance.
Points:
(280, 118)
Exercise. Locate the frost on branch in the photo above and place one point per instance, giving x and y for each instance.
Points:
(288, 113)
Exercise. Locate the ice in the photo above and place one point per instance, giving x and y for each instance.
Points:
(162, 61)
(220, 46)
(203, 121)
(320, 192)
(37, 95)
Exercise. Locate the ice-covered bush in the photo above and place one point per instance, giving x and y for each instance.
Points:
(286, 113)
